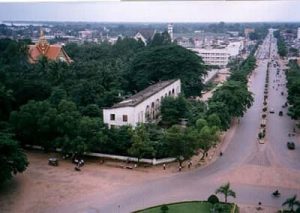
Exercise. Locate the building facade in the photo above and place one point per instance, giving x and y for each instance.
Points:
(143, 107)
(170, 32)
(212, 56)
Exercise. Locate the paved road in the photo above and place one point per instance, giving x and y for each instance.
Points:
(243, 150)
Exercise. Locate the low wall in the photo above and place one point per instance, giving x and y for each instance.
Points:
(153, 161)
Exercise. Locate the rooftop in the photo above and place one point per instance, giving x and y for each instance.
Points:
(144, 94)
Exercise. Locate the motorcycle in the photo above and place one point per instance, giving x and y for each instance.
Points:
(276, 194)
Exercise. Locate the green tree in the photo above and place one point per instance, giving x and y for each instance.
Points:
(173, 109)
(214, 120)
(236, 97)
(180, 144)
(12, 157)
(200, 123)
(207, 137)
(160, 39)
(291, 203)
(141, 145)
(226, 191)
(6, 99)
(163, 63)
(220, 108)
(35, 123)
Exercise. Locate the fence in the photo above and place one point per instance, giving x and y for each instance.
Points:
(153, 161)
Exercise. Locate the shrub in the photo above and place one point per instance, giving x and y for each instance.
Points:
(264, 115)
(213, 199)
(164, 208)
(265, 103)
(265, 109)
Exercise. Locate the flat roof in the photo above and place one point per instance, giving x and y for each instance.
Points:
(144, 94)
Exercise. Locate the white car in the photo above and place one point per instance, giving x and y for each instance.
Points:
(272, 110)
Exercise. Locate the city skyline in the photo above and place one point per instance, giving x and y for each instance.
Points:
(171, 11)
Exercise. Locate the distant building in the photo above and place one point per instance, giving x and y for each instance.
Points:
(213, 56)
(145, 35)
(233, 33)
(298, 33)
(143, 107)
(247, 31)
(51, 52)
(235, 48)
(85, 34)
(170, 31)
(185, 42)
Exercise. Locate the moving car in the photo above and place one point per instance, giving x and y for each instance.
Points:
(272, 110)
(290, 145)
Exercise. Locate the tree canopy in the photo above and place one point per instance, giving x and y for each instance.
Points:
(166, 62)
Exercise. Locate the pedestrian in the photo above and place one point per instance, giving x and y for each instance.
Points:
(221, 153)
(179, 169)
(164, 165)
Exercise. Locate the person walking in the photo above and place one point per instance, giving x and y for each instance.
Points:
(164, 165)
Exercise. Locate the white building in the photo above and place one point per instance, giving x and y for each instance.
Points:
(213, 56)
(170, 31)
(298, 33)
(234, 48)
(143, 107)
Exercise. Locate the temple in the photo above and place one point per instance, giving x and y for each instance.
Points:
(51, 52)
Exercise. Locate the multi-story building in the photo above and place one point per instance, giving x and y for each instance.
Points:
(213, 56)
(298, 33)
(143, 107)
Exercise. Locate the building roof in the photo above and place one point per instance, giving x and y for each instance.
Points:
(147, 33)
(144, 94)
(43, 48)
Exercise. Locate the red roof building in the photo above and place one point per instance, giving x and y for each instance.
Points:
(51, 52)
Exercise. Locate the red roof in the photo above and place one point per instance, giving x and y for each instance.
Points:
(51, 52)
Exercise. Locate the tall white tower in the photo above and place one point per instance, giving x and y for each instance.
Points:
(298, 33)
(170, 31)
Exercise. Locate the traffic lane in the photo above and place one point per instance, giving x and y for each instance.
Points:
(246, 194)
(280, 126)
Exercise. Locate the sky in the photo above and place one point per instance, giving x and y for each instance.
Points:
(153, 11)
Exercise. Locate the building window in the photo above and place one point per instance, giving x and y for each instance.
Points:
(125, 118)
(112, 117)
(173, 91)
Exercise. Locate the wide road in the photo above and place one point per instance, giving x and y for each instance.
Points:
(243, 163)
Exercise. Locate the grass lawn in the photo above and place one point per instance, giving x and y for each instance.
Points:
(189, 207)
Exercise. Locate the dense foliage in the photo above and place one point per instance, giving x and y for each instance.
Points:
(12, 158)
(167, 62)
(282, 51)
(56, 105)
(293, 85)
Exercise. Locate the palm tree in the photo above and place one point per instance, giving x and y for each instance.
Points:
(291, 202)
(225, 189)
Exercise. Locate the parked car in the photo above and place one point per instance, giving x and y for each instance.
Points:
(290, 145)
(272, 110)
(280, 113)
(53, 161)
